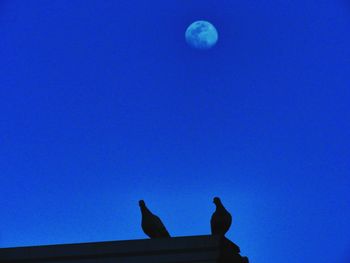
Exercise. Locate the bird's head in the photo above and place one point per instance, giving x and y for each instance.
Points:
(142, 203)
(217, 200)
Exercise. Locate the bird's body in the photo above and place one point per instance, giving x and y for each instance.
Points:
(221, 219)
(151, 224)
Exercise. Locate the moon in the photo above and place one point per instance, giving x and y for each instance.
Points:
(201, 35)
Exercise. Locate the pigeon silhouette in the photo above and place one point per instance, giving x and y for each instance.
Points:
(220, 220)
(151, 224)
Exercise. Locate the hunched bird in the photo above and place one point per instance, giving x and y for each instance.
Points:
(220, 220)
(151, 224)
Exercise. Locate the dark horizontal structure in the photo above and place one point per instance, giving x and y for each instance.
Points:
(199, 249)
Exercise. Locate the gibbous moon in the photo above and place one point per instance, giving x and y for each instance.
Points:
(201, 35)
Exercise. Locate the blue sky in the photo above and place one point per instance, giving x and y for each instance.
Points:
(103, 103)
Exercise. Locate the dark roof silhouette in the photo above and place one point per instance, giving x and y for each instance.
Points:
(190, 249)
(221, 219)
(151, 224)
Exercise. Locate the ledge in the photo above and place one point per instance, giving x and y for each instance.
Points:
(199, 249)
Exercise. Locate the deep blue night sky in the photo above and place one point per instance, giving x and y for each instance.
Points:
(103, 103)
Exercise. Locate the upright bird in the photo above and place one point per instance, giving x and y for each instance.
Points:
(151, 224)
(220, 220)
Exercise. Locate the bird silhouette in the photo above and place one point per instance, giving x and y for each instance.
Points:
(220, 220)
(151, 224)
